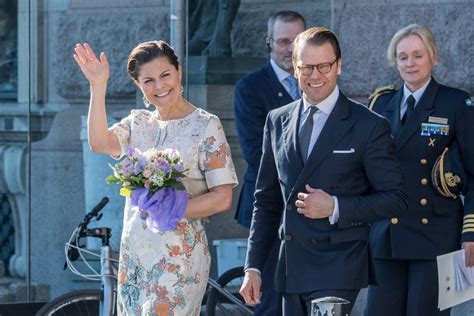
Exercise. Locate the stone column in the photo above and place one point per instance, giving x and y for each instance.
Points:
(12, 183)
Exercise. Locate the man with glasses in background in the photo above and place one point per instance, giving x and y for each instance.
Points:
(270, 87)
(328, 170)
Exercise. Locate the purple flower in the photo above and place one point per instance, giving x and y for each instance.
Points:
(131, 152)
(125, 168)
(172, 153)
(179, 167)
(162, 164)
(139, 165)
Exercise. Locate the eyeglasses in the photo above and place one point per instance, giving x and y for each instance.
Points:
(323, 68)
(282, 42)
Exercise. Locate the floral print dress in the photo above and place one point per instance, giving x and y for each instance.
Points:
(166, 273)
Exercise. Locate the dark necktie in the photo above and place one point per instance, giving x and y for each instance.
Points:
(305, 133)
(410, 105)
(294, 90)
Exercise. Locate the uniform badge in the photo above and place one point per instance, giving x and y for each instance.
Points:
(437, 120)
(469, 102)
(432, 141)
(429, 129)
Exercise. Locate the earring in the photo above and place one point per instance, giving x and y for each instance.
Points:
(146, 102)
(181, 92)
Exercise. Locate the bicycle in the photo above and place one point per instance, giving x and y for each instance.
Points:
(223, 296)
(88, 302)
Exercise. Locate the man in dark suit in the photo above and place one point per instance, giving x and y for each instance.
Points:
(328, 170)
(270, 87)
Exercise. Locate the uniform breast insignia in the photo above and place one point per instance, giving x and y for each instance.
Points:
(378, 92)
(432, 142)
(437, 120)
(429, 129)
(452, 180)
(447, 175)
(469, 102)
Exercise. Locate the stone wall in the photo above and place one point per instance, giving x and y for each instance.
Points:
(365, 28)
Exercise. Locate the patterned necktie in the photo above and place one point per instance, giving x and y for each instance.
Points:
(306, 132)
(294, 90)
(410, 105)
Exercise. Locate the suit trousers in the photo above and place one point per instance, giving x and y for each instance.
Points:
(270, 303)
(300, 304)
(404, 288)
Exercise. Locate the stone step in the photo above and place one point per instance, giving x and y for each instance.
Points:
(15, 290)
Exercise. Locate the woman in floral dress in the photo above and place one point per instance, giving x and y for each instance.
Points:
(162, 273)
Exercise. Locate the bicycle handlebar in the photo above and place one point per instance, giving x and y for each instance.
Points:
(94, 213)
(99, 206)
(83, 231)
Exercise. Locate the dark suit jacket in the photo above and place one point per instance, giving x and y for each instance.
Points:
(315, 255)
(255, 95)
(426, 231)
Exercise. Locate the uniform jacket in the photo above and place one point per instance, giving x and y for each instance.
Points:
(255, 95)
(353, 159)
(433, 223)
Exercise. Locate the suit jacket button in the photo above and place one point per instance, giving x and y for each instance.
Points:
(423, 161)
(424, 221)
(287, 237)
(394, 221)
(423, 202)
(424, 181)
(289, 207)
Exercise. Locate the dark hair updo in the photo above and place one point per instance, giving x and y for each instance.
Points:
(148, 51)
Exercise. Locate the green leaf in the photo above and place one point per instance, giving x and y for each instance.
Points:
(112, 179)
(178, 186)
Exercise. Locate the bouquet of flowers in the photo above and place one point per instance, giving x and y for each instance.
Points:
(152, 180)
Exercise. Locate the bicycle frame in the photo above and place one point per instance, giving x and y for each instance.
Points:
(229, 296)
(108, 271)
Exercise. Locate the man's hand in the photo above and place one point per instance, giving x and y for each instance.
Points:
(468, 247)
(315, 204)
(250, 289)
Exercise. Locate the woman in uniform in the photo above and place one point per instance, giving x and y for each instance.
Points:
(428, 121)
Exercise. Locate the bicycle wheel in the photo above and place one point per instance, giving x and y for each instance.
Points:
(218, 303)
(77, 303)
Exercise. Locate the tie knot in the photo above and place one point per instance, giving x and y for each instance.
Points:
(313, 109)
(291, 80)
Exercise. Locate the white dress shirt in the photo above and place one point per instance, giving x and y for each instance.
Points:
(281, 75)
(320, 117)
(417, 95)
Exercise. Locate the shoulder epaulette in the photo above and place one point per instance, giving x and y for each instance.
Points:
(378, 92)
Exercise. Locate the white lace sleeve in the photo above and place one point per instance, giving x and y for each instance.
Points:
(123, 131)
(215, 159)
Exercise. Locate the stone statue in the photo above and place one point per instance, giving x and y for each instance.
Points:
(211, 26)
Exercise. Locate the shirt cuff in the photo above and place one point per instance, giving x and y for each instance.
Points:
(334, 217)
(254, 270)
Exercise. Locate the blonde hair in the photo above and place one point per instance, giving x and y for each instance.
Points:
(422, 32)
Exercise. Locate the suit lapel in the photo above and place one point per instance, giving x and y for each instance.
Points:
(392, 113)
(281, 95)
(290, 125)
(336, 126)
(421, 112)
